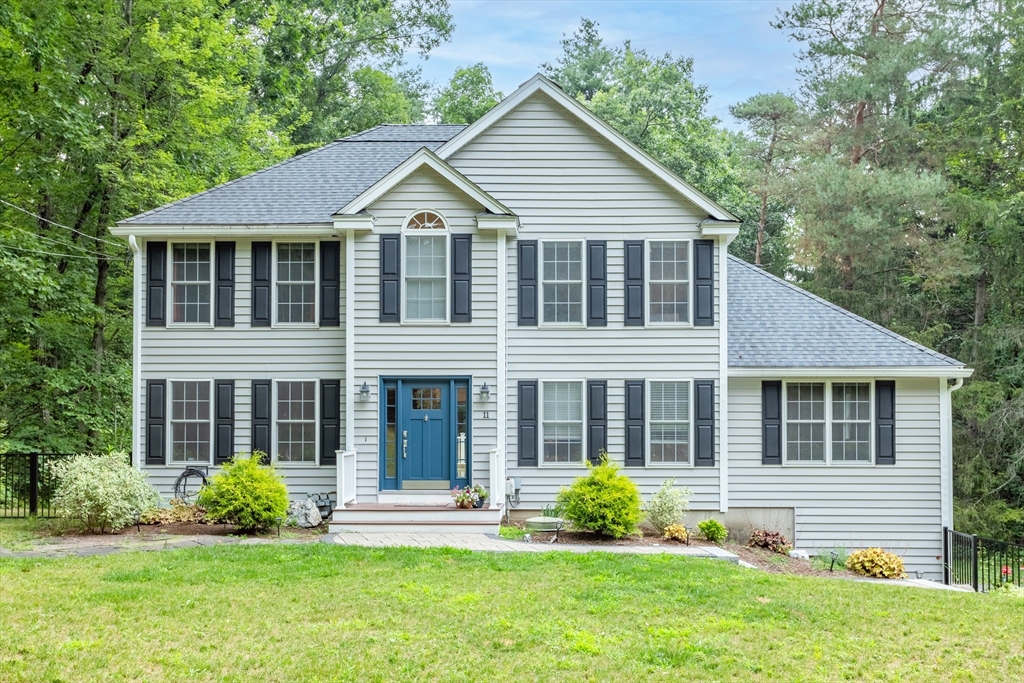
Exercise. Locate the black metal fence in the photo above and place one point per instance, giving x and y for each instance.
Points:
(981, 563)
(27, 483)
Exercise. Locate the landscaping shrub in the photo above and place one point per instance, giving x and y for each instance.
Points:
(823, 559)
(769, 540)
(877, 563)
(713, 530)
(101, 492)
(677, 532)
(179, 511)
(668, 505)
(604, 501)
(246, 494)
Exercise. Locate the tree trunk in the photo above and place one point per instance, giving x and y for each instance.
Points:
(762, 219)
(846, 271)
(980, 298)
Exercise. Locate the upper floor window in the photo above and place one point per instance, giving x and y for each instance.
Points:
(190, 421)
(426, 267)
(669, 282)
(814, 408)
(190, 283)
(296, 282)
(562, 282)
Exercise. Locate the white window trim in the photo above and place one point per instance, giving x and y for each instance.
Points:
(446, 232)
(210, 283)
(648, 282)
(316, 424)
(171, 462)
(582, 464)
(583, 286)
(647, 425)
(828, 462)
(316, 284)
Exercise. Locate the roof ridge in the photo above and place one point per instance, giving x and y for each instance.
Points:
(849, 314)
(230, 182)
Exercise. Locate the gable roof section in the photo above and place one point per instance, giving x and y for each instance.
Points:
(424, 157)
(540, 83)
(306, 189)
(775, 324)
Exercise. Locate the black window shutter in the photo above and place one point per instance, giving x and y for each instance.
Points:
(704, 422)
(528, 423)
(462, 278)
(390, 278)
(330, 420)
(704, 282)
(771, 422)
(260, 284)
(634, 266)
(597, 419)
(635, 410)
(225, 299)
(527, 282)
(156, 422)
(224, 410)
(330, 284)
(885, 422)
(156, 284)
(261, 412)
(597, 283)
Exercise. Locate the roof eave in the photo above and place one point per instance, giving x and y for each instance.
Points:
(876, 371)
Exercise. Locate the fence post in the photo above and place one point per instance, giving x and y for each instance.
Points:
(945, 555)
(33, 484)
(974, 562)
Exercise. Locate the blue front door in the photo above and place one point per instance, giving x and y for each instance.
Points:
(426, 435)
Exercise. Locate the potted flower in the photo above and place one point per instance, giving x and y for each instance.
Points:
(481, 495)
(464, 497)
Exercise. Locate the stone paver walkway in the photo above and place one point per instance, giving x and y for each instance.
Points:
(495, 544)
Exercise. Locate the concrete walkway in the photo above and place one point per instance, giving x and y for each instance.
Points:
(489, 543)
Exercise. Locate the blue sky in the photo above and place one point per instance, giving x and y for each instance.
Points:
(735, 51)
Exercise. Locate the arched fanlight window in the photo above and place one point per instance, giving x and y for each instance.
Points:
(425, 220)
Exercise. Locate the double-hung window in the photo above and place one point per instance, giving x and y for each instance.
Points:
(190, 283)
(190, 421)
(426, 268)
(562, 423)
(296, 282)
(668, 282)
(296, 421)
(670, 422)
(562, 282)
(828, 422)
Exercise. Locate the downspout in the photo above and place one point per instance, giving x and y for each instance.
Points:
(350, 337)
(946, 448)
(502, 367)
(723, 374)
(136, 351)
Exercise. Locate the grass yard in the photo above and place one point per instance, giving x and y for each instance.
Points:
(330, 613)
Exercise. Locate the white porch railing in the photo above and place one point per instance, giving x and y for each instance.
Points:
(346, 477)
(497, 477)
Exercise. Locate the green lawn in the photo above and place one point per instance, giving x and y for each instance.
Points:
(327, 613)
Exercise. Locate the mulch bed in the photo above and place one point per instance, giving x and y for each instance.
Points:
(784, 564)
(195, 529)
(646, 537)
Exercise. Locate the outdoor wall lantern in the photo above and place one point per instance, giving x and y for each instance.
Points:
(485, 392)
(364, 392)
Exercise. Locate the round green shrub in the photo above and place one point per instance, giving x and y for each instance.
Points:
(101, 492)
(604, 501)
(246, 494)
(713, 530)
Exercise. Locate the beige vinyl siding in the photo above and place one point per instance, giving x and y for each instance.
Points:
(243, 353)
(565, 182)
(424, 349)
(896, 507)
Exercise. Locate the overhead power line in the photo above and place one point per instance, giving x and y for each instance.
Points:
(53, 241)
(46, 253)
(59, 225)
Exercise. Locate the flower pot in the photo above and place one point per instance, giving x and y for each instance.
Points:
(464, 504)
(479, 502)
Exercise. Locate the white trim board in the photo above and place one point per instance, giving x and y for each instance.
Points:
(234, 231)
(880, 372)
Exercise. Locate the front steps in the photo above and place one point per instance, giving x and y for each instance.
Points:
(414, 517)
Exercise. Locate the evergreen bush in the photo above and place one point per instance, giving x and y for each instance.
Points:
(244, 493)
(713, 530)
(101, 493)
(604, 501)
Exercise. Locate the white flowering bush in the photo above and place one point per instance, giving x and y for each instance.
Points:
(668, 505)
(101, 492)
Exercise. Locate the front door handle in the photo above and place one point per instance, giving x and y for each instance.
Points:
(405, 444)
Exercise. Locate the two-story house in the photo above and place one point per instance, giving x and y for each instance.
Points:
(417, 307)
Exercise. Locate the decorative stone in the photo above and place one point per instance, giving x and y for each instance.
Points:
(799, 554)
(544, 523)
(304, 514)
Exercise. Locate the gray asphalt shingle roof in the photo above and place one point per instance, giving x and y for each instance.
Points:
(773, 323)
(308, 188)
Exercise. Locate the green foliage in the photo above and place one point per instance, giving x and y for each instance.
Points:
(178, 512)
(604, 501)
(677, 532)
(511, 533)
(668, 505)
(713, 530)
(876, 563)
(469, 95)
(246, 494)
(101, 493)
(822, 560)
